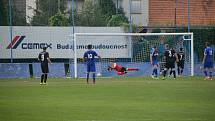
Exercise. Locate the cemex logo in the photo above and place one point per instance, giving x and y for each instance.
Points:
(15, 42)
(18, 39)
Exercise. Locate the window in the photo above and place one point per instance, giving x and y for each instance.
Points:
(136, 6)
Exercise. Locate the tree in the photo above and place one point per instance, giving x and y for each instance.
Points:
(3, 13)
(117, 20)
(108, 8)
(90, 15)
(45, 10)
(58, 19)
(18, 16)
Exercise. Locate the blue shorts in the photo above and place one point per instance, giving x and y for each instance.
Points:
(208, 65)
(154, 63)
(91, 68)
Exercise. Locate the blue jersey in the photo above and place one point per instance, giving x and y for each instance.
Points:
(209, 55)
(90, 56)
(154, 55)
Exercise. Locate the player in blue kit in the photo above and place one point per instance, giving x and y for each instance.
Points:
(208, 61)
(154, 62)
(89, 57)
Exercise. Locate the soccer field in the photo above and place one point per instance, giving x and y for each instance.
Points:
(110, 99)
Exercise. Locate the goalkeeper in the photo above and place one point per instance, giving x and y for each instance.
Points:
(120, 69)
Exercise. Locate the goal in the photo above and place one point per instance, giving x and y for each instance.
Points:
(130, 50)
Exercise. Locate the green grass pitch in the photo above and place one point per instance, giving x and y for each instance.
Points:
(110, 99)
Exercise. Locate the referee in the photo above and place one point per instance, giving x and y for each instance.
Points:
(44, 60)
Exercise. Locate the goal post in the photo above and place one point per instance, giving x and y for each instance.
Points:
(130, 49)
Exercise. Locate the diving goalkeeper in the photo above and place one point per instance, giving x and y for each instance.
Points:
(120, 69)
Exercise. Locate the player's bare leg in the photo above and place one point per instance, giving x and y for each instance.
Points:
(132, 69)
(206, 74)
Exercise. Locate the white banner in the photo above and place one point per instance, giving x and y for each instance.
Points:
(27, 42)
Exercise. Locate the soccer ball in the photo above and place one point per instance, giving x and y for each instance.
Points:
(99, 74)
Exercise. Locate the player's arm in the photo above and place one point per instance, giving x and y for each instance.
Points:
(203, 60)
(85, 57)
(151, 58)
(165, 55)
(48, 59)
(39, 57)
(110, 68)
(151, 54)
(100, 59)
(176, 56)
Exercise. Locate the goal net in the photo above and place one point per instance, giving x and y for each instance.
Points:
(130, 50)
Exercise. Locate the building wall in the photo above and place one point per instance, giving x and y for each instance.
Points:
(139, 18)
(175, 12)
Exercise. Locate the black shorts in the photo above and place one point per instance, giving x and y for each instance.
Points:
(170, 65)
(123, 69)
(45, 68)
(180, 64)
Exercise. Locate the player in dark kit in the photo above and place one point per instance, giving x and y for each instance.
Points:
(89, 57)
(180, 63)
(170, 57)
(44, 60)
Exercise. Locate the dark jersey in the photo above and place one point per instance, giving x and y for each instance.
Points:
(181, 56)
(170, 56)
(43, 57)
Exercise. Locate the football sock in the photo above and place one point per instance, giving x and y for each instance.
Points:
(94, 78)
(42, 77)
(210, 73)
(164, 73)
(46, 75)
(205, 72)
(174, 74)
(179, 71)
(153, 72)
(156, 72)
(170, 72)
(88, 77)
